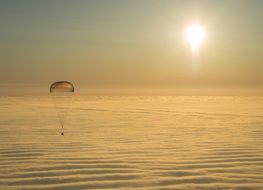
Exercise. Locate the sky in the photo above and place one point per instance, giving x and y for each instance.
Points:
(131, 46)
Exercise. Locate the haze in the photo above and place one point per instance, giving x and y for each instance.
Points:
(131, 46)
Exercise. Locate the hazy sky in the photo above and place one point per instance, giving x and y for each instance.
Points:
(134, 43)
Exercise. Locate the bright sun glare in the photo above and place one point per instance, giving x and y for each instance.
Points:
(195, 35)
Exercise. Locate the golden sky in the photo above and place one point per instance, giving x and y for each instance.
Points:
(136, 44)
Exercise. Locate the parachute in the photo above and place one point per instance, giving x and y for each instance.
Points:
(62, 93)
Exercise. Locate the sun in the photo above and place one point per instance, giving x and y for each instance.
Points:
(195, 35)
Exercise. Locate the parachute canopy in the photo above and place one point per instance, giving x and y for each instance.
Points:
(62, 86)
